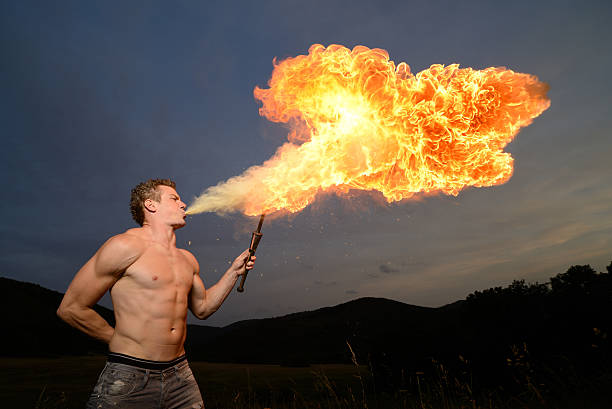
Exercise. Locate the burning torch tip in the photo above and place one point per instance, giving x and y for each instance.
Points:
(261, 220)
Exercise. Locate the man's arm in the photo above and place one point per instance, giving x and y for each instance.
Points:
(93, 280)
(203, 302)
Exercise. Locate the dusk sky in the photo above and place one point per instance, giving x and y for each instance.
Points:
(99, 96)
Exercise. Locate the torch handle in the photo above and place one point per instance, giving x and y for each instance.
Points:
(244, 276)
(255, 238)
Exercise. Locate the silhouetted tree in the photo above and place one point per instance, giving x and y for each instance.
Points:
(577, 279)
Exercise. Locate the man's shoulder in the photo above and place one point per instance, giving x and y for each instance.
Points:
(190, 257)
(131, 240)
(119, 252)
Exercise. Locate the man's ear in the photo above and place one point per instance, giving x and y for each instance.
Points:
(150, 205)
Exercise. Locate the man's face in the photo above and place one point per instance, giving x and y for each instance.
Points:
(171, 209)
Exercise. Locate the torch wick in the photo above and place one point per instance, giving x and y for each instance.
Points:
(261, 220)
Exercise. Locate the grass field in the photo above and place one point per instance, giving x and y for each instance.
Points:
(66, 382)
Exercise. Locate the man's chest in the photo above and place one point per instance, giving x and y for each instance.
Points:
(158, 268)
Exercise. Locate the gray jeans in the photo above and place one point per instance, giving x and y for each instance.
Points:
(128, 386)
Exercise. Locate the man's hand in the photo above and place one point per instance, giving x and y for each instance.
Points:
(240, 265)
(203, 302)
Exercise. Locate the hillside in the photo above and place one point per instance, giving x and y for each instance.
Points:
(563, 322)
(33, 329)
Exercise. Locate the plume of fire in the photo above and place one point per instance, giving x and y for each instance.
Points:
(358, 121)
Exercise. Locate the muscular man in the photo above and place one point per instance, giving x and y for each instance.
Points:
(152, 283)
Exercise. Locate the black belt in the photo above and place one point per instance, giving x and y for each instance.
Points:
(144, 363)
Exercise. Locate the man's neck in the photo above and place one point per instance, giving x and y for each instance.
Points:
(162, 234)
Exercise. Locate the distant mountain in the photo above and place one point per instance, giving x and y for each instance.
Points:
(566, 321)
(295, 339)
(31, 327)
(321, 336)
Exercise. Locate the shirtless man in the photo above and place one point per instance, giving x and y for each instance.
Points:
(152, 283)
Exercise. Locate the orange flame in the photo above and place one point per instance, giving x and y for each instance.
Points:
(358, 121)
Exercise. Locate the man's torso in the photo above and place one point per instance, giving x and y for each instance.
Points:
(150, 302)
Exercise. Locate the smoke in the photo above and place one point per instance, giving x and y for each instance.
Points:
(229, 196)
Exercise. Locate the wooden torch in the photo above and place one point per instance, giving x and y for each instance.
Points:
(255, 238)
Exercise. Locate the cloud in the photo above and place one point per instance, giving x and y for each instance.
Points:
(305, 265)
(387, 269)
(351, 292)
(325, 284)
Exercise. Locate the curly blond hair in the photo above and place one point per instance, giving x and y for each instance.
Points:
(143, 191)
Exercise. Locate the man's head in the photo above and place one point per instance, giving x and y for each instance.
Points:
(157, 197)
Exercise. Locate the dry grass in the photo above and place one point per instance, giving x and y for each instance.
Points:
(63, 383)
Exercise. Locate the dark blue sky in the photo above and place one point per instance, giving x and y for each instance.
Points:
(97, 96)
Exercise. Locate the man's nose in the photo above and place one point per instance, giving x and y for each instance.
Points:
(183, 206)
